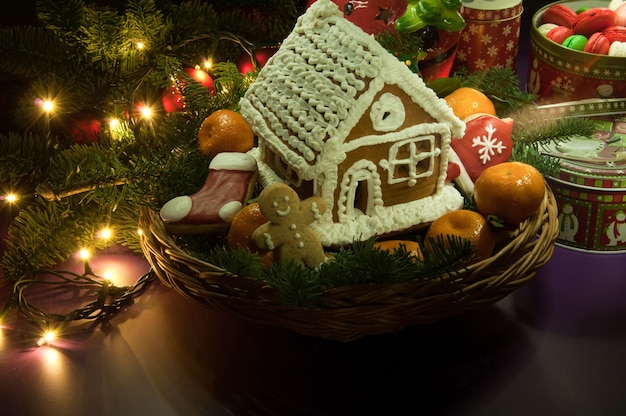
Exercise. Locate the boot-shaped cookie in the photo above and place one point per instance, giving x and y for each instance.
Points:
(230, 183)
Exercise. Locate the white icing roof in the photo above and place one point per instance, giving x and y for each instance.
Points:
(320, 82)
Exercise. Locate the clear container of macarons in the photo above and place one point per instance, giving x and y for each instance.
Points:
(578, 51)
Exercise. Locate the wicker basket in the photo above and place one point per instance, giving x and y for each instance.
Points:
(354, 311)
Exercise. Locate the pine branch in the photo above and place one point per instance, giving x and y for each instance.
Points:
(500, 85)
(296, 285)
(32, 51)
(362, 263)
(84, 166)
(402, 43)
(21, 172)
(238, 261)
(63, 16)
(189, 20)
(532, 155)
(47, 233)
(531, 126)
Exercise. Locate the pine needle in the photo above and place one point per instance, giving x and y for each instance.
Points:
(500, 85)
(533, 127)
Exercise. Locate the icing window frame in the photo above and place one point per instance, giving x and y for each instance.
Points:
(387, 113)
(411, 159)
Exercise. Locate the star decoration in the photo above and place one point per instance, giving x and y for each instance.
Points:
(384, 14)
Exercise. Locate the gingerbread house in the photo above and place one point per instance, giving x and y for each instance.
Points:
(340, 117)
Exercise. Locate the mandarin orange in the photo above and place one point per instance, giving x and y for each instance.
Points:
(411, 247)
(512, 191)
(466, 101)
(224, 131)
(466, 224)
(248, 219)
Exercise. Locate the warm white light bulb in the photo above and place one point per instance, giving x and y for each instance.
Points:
(47, 106)
(108, 276)
(84, 254)
(208, 64)
(47, 338)
(105, 233)
(140, 45)
(146, 112)
(10, 198)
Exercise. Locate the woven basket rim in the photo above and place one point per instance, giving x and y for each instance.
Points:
(351, 312)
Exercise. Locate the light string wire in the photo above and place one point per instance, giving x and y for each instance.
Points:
(107, 299)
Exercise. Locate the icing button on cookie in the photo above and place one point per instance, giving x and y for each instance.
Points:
(281, 205)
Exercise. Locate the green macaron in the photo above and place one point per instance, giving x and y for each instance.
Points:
(576, 42)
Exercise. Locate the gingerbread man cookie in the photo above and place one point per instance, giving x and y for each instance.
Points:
(287, 230)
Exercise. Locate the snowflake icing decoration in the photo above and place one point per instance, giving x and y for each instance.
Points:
(488, 144)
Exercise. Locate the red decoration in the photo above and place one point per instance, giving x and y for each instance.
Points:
(202, 77)
(262, 54)
(373, 16)
(173, 100)
(453, 171)
(491, 36)
(487, 142)
(439, 60)
(84, 128)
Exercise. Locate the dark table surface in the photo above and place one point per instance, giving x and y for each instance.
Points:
(554, 347)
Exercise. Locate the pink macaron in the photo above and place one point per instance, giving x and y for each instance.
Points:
(559, 34)
(615, 33)
(593, 20)
(559, 15)
(598, 44)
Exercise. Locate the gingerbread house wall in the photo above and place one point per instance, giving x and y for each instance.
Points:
(378, 147)
(322, 161)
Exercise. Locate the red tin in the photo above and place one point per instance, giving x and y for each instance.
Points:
(558, 74)
(491, 34)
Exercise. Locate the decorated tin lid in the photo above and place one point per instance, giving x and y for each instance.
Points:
(490, 4)
(590, 189)
(598, 161)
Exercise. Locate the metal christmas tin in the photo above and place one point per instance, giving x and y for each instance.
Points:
(491, 34)
(559, 74)
(591, 188)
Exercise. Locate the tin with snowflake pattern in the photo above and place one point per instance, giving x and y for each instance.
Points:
(491, 35)
(558, 74)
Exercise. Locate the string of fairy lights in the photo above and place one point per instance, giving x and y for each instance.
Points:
(104, 294)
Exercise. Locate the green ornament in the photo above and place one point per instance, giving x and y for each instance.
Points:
(443, 14)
